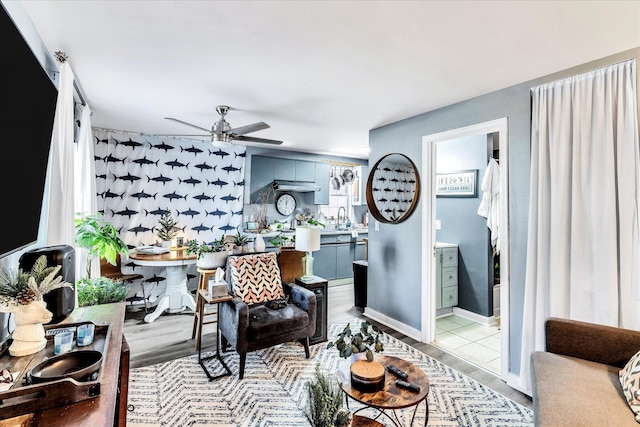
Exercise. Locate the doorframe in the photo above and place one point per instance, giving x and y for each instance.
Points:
(429, 142)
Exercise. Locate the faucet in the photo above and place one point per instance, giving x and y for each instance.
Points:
(343, 215)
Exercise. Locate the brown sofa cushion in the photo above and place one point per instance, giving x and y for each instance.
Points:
(266, 322)
(569, 391)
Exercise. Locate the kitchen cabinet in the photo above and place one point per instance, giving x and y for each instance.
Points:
(262, 169)
(284, 169)
(305, 171)
(323, 175)
(337, 252)
(446, 275)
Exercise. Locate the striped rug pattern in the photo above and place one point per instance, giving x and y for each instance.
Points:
(272, 393)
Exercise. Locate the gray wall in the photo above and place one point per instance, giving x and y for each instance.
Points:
(462, 225)
(394, 281)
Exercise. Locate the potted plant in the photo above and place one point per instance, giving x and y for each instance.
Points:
(364, 342)
(282, 240)
(167, 230)
(100, 238)
(209, 255)
(100, 290)
(325, 400)
(240, 241)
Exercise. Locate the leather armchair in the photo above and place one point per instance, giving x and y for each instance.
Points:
(253, 326)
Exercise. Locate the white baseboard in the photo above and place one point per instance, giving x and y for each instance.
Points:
(487, 321)
(392, 323)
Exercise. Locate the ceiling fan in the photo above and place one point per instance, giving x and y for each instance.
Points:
(221, 131)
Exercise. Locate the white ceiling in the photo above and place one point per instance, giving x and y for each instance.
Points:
(321, 73)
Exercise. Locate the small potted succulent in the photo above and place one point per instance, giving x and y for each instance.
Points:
(240, 241)
(167, 229)
(209, 255)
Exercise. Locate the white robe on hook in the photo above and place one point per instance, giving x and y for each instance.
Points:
(490, 205)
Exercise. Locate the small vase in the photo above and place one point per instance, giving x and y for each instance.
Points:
(258, 244)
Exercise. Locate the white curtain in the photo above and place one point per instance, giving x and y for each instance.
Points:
(583, 238)
(85, 186)
(60, 210)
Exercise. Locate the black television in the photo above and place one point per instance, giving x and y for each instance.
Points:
(28, 103)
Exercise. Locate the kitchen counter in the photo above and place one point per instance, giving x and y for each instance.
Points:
(359, 230)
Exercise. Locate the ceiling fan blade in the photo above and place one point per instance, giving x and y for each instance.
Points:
(248, 128)
(253, 139)
(189, 124)
(182, 134)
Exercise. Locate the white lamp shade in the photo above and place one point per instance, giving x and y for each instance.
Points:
(307, 239)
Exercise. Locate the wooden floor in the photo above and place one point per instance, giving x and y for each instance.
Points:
(169, 337)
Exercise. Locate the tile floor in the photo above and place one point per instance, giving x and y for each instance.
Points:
(471, 341)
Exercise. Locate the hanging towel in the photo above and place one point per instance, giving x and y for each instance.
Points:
(490, 206)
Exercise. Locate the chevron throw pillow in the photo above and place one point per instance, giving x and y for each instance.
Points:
(256, 278)
(630, 381)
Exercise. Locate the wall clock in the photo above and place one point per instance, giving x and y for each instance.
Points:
(285, 204)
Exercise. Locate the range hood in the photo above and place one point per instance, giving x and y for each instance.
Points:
(299, 186)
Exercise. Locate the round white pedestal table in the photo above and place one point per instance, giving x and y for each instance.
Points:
(176, 297)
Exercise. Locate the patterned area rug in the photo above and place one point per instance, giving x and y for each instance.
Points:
(272, 393)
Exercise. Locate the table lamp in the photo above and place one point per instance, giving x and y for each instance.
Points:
(307, 240)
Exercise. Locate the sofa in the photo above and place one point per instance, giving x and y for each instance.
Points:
(575, 381)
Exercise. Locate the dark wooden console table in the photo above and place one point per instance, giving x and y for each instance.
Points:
(110, 407)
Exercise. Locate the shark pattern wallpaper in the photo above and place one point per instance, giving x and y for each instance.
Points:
(140, 177)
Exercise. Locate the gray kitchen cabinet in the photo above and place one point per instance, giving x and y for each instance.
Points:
(262, 169)
(446, 275)
(305, 171)
(285, 169)
(344, 260)
(323, 175)
(324, 262)
(337, 252)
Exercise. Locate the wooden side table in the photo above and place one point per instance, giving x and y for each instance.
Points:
(318, 286)
(392, 397)
(205, 298)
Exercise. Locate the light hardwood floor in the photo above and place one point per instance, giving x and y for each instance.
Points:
(169, 337)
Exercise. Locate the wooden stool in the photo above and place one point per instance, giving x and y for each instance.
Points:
(203, 283)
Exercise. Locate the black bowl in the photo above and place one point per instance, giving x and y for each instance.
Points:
(75, 364)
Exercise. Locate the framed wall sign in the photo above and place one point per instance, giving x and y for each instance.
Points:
(457, 183)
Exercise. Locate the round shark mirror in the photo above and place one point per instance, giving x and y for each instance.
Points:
(393, 188)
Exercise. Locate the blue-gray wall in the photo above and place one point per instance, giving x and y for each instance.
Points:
(395, 251)
(461, 224)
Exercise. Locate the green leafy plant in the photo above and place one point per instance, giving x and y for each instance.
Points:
(99, 237)
(168, 227)
(282, 240)
(240, 239)
(367, 339)
(199, 248)
(100, 290)
(325, 399)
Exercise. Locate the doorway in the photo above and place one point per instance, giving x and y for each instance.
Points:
(430, 291)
